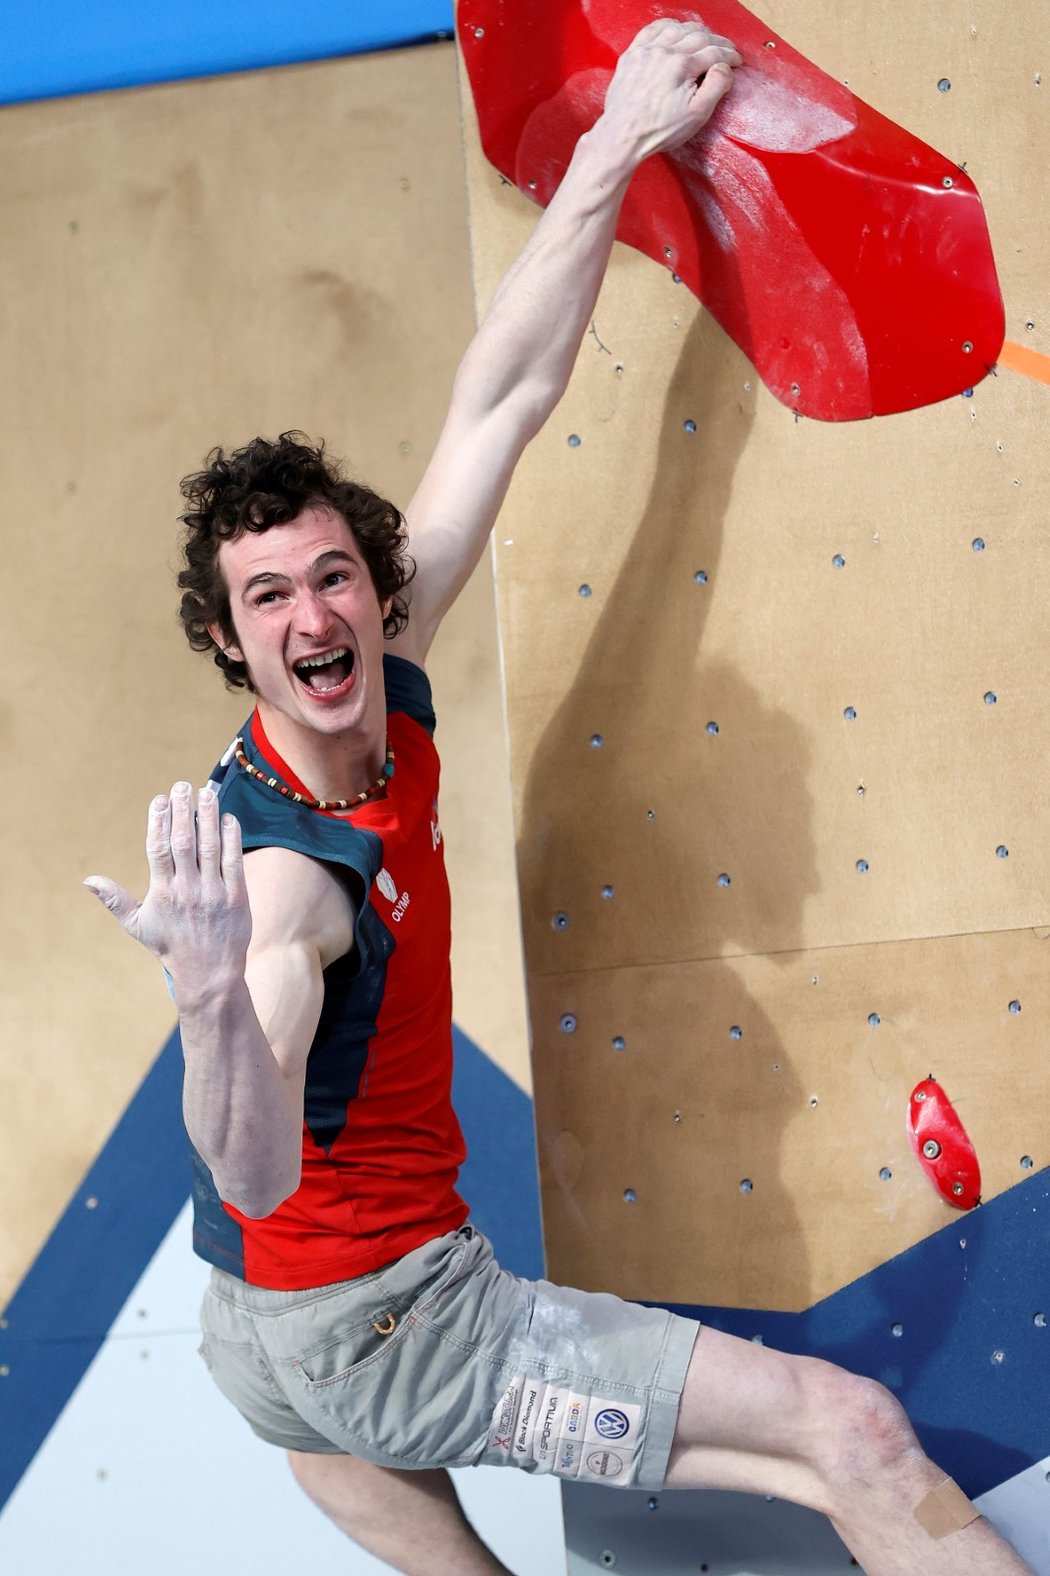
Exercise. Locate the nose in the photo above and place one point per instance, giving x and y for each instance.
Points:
(312, 617)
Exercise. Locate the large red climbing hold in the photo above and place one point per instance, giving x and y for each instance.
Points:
(850, 261)
(942, 1147)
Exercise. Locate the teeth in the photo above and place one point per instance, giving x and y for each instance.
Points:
(319, 662)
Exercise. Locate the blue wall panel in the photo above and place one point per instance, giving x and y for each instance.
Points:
(54, 47)
(958, 1327)
(120, 1214)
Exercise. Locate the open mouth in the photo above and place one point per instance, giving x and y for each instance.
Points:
(328, 673)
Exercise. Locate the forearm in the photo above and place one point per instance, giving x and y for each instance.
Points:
(241, 1113)
(527, 343)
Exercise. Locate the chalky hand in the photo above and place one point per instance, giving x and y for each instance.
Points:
(668, 83)
(195, 917)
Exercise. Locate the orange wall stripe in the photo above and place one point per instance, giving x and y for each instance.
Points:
(1031, 362)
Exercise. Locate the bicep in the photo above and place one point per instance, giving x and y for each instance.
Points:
(286, 984)
(302, 920)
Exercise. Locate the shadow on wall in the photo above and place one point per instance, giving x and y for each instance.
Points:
(737, 803)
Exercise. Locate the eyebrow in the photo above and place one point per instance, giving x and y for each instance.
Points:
(267, 577)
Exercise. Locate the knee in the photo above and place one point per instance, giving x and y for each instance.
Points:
(867, 1434)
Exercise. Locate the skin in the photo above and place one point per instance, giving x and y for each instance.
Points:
(245, 940)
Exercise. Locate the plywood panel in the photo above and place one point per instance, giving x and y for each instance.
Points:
(753, 1107)
(873, 787)
(183, 266)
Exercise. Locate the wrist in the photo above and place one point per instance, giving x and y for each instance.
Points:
(203, 996)
(609, 156)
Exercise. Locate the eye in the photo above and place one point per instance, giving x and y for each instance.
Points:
(335, 577)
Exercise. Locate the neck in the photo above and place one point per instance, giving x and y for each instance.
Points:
(330, 765)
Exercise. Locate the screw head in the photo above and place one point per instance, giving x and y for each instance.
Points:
(931, 1149)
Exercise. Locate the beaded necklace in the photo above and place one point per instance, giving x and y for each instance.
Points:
(318, 804)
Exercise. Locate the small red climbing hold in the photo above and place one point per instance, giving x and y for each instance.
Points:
(942, 1147)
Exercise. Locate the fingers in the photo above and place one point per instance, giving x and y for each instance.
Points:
(233, 858)
(208, 843)
(184, 841)
(686, 37)
(219, 854)
(711, 55)
(717, 81)
(183, 833)
(158, 840)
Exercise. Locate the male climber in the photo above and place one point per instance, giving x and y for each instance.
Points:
(354, 1316)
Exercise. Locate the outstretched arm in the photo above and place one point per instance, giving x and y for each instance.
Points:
(248, 1001)
(665, 88)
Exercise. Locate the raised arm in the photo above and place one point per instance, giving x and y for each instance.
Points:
(665, 88)
(248, 1001)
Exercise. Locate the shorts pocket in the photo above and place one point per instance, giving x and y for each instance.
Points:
(351, 1350)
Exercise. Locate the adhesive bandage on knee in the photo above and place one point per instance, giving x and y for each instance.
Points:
(945, 1509)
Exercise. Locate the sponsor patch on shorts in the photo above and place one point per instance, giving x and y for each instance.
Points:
(545, 1427)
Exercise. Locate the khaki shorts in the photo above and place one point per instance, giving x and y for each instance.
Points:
(443, 1359)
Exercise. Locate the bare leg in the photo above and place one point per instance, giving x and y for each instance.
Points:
(413, 1520)
(766, 1423)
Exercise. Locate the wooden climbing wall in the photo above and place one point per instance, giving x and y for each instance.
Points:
(777, 694)
(186, 265)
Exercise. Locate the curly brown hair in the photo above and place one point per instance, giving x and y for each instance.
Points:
(266, 484)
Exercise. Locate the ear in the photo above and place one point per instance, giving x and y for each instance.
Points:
(228, 647)
(385, 606)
